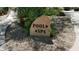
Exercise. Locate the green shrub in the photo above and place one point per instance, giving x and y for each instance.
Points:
(52, 11)
(29, 14)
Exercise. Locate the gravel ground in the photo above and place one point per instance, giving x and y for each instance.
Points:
(17, 40)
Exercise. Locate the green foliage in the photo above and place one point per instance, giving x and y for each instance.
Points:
(34, 12)
(31, 13)
(54, 30)
(52, 11)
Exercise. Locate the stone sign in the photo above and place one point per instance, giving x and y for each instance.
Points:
(41, 26)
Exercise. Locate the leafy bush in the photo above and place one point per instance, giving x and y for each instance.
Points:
(29, 14)
(52, 11)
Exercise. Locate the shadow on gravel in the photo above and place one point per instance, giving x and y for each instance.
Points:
(46, 40)
(15, 32)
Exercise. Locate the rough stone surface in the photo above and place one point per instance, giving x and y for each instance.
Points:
(41, 26)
